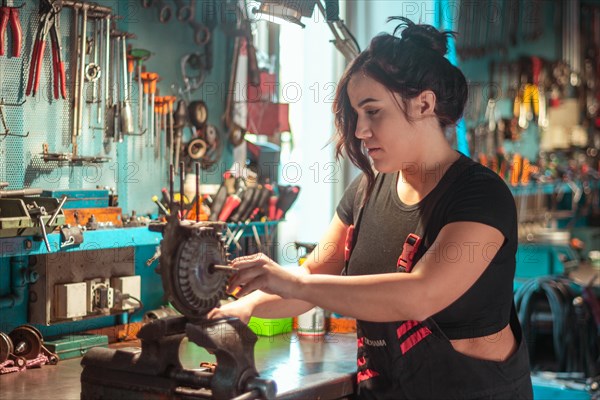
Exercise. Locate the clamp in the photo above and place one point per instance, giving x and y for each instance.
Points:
(49, 24)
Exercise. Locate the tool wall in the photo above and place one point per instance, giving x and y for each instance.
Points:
(135, 164)
(533, 117)
(41, 146)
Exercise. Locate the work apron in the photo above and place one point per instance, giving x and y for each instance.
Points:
(415, 360)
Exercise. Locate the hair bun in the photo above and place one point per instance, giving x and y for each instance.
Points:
(423, 35)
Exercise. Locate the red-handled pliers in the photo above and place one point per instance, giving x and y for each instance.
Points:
(49, 24)
(10, 14)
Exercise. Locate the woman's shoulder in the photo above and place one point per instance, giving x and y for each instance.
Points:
(478, 176)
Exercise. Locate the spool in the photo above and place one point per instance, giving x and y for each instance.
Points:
(312, 322)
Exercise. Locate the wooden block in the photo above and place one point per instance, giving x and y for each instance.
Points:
(81, 216)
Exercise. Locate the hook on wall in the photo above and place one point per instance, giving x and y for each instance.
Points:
(7, 131)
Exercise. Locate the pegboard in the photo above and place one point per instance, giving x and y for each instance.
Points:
(133, 170)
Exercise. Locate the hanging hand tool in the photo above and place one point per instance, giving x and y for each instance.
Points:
(107, 98)
(126, 114)
(116, 117)
(139, 56)
(159, 110)
(179, 124)
(11, 14)
(152, 89)
(170, 134)
(79, 73)
(146, 91)
(49, 24)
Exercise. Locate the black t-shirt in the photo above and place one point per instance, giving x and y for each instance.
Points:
(468, 191)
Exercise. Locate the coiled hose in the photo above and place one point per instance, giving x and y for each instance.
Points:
(575, 337)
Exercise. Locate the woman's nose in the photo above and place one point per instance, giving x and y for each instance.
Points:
(363, 130)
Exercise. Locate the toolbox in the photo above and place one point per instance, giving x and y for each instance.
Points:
(73, 346)
(78, 198)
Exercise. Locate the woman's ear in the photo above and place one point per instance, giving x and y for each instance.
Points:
(425, 103)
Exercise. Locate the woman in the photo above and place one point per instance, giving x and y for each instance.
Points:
(430, 276)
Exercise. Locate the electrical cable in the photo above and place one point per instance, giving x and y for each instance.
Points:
(575, 339)
(121, 297)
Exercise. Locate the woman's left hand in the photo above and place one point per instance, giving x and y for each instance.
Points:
(259, 272)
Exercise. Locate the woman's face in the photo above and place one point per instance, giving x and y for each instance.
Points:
(381, 125)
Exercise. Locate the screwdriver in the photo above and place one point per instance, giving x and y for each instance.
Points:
(212, 268)
(160, 205)
(146, 85)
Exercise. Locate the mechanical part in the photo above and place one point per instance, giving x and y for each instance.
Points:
(92, 72)
(6, 347)
(237, 135)
(27, 342)
(187, 251)
(198, 113)
(211, 135)
(159, 313)
(196, 149)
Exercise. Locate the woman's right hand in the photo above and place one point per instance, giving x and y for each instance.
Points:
(234, 309)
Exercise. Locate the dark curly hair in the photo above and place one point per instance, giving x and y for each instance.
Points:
(406, 65)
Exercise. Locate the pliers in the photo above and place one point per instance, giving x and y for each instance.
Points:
(49, 24)
(12, 14)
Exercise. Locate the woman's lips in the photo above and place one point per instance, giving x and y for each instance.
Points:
(374, 150)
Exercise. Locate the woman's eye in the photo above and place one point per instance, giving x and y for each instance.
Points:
(372, 112)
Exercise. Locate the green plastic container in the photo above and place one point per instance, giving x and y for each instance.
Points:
(270, 327)
(73, 346)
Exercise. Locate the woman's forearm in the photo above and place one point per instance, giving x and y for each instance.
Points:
(378, 298)
(272, 306)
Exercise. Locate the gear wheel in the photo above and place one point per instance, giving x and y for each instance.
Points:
(188, 251)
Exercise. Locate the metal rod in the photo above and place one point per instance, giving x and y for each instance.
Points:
(79, 101)
(197, 192)
(181, 183)
(226, 268)
(96, 8)
(62, 202)
(171, 185)
(75, 63)
(107, 63)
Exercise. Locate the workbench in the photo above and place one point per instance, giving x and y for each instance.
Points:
(304, 368)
